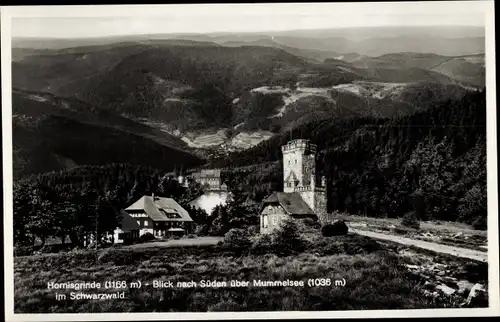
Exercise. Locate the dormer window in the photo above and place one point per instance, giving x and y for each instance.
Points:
(169, 215)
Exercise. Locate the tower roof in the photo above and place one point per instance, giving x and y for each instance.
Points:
(292, 177)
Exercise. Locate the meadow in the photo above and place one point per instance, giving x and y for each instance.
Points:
(375, 279)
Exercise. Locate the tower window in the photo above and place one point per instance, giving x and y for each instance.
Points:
(295, 161)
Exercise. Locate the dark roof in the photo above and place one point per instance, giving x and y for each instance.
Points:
(127, 223)
(292, 203)
(152, 208)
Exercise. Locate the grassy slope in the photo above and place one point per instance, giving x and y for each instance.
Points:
(374, 280)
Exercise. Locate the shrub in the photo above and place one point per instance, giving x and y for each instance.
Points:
(327, 247)
(202, 230)
(146, 238)
(254, 230)
(326, 218)
(237, 239)
(336, 228)
(287, 240)
(47, 249)
(480, 223)
(410, 220)
(23, 250)
(263, 244)
(312, 223)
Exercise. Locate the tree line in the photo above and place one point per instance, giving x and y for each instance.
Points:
(86, 201)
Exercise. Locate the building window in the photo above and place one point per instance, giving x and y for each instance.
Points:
(275, 220)
(265, 223)
(295, 161)
(145, 223)
(139, 222)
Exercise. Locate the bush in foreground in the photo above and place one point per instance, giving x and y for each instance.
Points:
(312, 223)
(410, 220)
(480, 223)
(146, 238)
(337, 228)
(237, 239)
(286, 240)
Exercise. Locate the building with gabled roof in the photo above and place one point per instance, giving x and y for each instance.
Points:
(127, 229)
(209, 179)
(301, 196)
(160, 216)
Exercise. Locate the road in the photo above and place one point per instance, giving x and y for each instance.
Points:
(439, 248)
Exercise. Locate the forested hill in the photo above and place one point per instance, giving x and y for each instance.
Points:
(432, 162)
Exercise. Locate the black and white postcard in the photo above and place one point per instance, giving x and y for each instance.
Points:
(266, 161)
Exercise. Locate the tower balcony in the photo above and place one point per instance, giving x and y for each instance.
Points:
(299, 144)
(309, 188)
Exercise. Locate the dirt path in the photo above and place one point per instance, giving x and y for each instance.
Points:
(445, 249)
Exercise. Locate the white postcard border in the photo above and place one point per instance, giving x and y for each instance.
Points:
(261, 9)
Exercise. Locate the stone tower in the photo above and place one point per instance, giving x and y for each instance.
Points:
(299, 174)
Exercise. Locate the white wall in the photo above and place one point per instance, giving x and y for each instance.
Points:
(145, 230)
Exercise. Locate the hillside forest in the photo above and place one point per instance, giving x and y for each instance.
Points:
(96, 127)
(431, 163)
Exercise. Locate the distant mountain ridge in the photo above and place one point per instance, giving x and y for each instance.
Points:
(372, 41)
(465, 68)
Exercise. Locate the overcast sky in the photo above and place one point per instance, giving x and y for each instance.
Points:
(97, 21)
